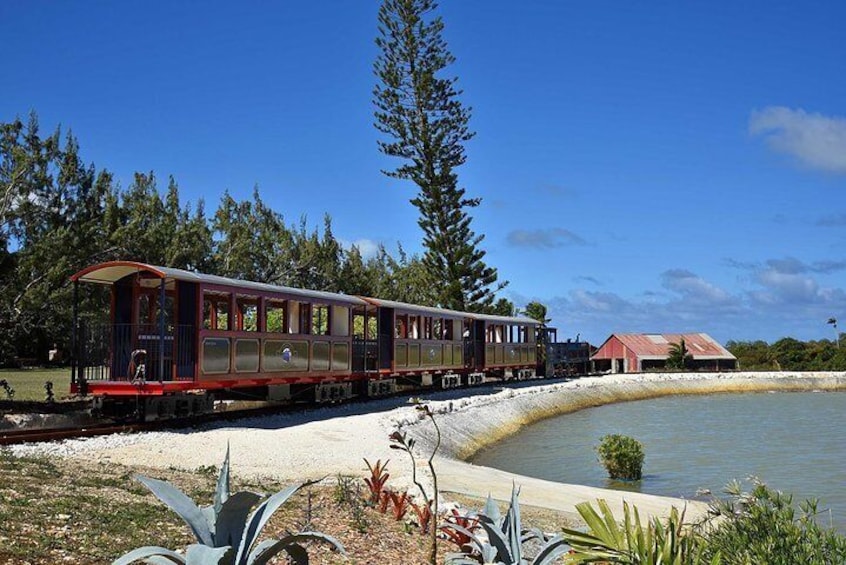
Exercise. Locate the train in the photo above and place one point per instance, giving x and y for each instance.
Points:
(174, 341)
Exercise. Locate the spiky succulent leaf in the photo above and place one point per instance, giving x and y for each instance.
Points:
(221, 493)
(204, 555)
(514, 527)
(551, 551)
(259, 518)
(159, 560)
(232, 518)
(492, 510)
(497, 540)
(264, 551)
(489, 554)
(182, 505)
(149, 552)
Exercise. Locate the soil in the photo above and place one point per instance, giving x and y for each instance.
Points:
(56, 510)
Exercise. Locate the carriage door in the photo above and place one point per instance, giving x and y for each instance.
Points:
(386, 338)
(479, 344)
(185, 330)
(474, 344)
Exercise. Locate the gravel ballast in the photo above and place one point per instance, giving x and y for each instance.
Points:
(329, 441)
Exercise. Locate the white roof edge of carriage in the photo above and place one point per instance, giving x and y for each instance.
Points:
(109, 273)
(447, 312)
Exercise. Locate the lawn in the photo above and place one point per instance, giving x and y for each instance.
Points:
(28, 384)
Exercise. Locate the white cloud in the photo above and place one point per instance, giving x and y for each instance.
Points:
(693, 287)
(816, 140)
(544, 238)
(367, 247)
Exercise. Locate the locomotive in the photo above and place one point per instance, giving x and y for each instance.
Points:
(177, 340)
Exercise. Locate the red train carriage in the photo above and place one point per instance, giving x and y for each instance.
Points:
(448, 348)
(505, 345)
(174, 333)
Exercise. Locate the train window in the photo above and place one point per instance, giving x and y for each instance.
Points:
(340, 320)
(305, 318)
(437, 328)
(207, 310)
(401, 326)
(498, 333)
(427, 327)
(247, 319)
(215, 311)
(275, 316)
(319, 319)
(156, 312)
(293, 317)
(145, 311)
(221, 308)
(413, 327)
(449, 330)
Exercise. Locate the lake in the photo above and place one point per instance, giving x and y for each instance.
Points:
(793, 441)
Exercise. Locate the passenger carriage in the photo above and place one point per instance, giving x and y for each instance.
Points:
(172, 333)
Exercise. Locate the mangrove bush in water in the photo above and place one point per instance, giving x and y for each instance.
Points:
(622, 457)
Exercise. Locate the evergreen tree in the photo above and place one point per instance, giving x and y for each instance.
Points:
(427, 125)
(537, 311)
(679, 357)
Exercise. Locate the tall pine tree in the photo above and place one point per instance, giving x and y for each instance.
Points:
(426, 125)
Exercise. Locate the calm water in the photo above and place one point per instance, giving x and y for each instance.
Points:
(795, 442)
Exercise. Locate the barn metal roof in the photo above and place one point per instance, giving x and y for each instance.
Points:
(109, 273)
(657, 346)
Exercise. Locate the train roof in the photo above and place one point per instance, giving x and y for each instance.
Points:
(446, 312)
(112, 271)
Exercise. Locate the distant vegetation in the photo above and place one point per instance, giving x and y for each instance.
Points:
(59, 214)
(788, 354)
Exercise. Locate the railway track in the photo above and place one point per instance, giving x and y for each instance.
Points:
(35, 435)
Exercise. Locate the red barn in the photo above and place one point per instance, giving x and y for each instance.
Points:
(634, 353)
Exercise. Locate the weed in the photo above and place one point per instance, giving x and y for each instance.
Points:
(402, 442)
(401, 504)
(378, 478)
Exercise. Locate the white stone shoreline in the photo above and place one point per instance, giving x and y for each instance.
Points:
(335, 440)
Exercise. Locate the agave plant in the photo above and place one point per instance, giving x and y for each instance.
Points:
(653, 543)
(505, 539)
(226, 531)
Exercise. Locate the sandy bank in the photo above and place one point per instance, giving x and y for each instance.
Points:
(335, 440)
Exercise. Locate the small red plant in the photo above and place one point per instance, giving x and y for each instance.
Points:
(384, 498)
(401, 504)
(377, 480)
(424, 515)
(457, 537)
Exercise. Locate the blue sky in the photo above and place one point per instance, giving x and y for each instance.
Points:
(663, 167)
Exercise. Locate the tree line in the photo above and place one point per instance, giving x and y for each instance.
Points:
(789, 354)
(59, 214)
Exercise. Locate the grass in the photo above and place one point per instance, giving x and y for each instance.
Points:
(72, 511)
(29, 383)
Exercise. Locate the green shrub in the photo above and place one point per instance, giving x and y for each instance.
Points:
(622, 457)
(652, 542)
(764, 526)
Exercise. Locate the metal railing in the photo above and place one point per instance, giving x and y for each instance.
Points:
(134, 352)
